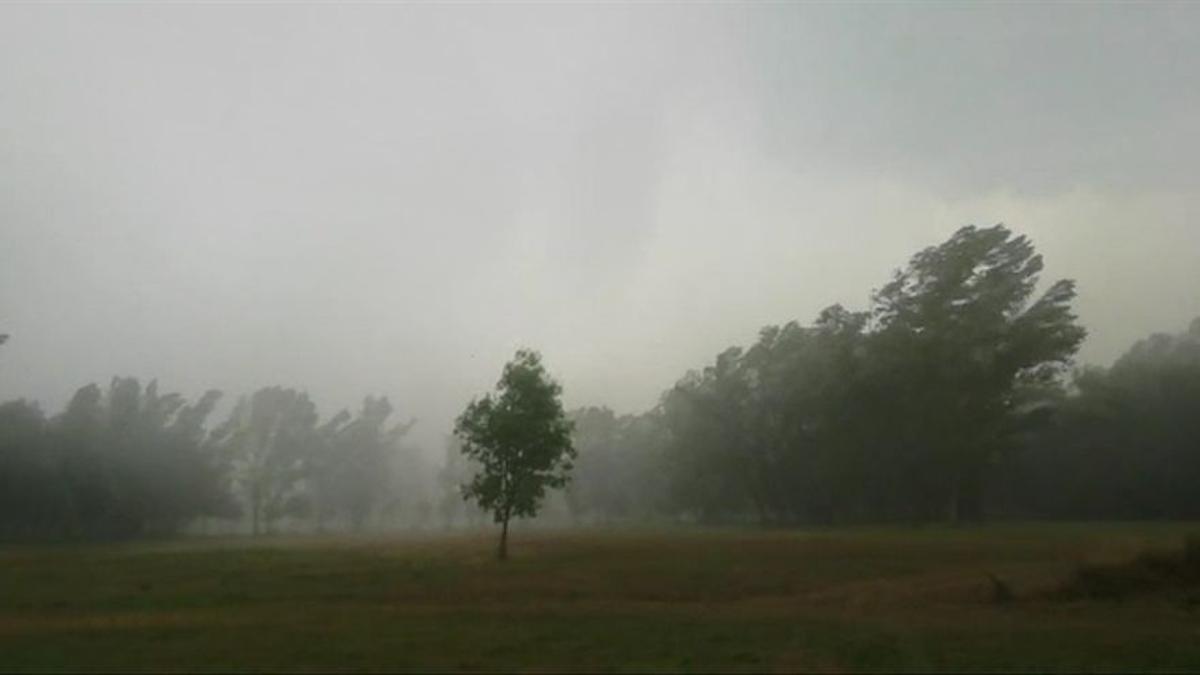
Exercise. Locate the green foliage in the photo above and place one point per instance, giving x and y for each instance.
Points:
(521, 440)
(958, 334)
(124, 462)
(1126, 443)
(900, 412)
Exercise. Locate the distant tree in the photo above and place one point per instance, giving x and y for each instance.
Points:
(269, 437)
(355, 472)
(321, 470)
(715, 466)
(521, 440)
(129, 461)
(593, 488)
(33, 500)
(451, 477)
(618, 473)
(1125, 444)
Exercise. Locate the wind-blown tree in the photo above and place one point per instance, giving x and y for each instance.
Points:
(520, 438)
(957, 336)
(411, 492)
(270, 437)
(134, 462)
(354, 466)
(321, 479)
(33, 498)
(806, 403)
(900, 412)
(773, 428)
(1125, 444)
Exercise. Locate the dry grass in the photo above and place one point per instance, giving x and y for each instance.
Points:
(649, 600)
(1166, 573)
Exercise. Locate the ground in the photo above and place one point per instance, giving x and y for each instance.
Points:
(831, 600)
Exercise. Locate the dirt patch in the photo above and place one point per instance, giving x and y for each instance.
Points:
(1148, 573)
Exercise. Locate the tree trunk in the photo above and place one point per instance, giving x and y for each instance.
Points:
(952, 505)
(254, 509)
(965, 504)
(502, 554)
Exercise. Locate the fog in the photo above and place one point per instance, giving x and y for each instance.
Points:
(391, 199)
(580, 337)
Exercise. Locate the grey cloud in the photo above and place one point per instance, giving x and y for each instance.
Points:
(391, 198)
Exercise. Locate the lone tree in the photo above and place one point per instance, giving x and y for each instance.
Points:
(520, 438)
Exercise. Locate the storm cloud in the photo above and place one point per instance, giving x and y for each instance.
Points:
(391, 199)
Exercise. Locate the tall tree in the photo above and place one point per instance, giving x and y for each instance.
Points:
(521, 440)
(1126, 443)
(960, 333)
(355, 473)
(270, 436)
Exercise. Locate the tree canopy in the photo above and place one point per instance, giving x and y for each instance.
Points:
(521, 440)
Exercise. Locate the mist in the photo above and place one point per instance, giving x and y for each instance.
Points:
(390, 199)
(586, 337)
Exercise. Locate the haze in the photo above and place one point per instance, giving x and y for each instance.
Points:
(391, 199)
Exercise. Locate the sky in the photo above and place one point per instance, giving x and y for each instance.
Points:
(392, 198)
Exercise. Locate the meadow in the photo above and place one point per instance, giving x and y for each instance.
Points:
(644, 600)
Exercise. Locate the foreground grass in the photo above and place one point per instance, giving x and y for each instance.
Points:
(835, 600)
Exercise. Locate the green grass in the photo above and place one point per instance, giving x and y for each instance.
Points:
(836, 600)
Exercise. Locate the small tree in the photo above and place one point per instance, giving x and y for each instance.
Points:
(520, 438)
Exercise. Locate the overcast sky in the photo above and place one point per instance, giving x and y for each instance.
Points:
(391, 199)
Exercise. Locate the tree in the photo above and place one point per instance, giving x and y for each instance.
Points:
(593, 486)
(618, 473)
(456, 469)
(776, 428)
(32, 499)
(1126, 443)
(960, 336)
(269, 436)
(124, 462)
(353, 469)
(717, 467)
(520, 438)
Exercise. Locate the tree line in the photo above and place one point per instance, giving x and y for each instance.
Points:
(129, 461)
(952, 397)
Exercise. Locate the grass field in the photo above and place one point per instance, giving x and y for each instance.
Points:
(832, 600)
